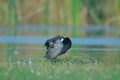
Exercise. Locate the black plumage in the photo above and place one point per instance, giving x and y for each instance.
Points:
(57, 46)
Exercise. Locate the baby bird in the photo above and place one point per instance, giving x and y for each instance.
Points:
(57, 46)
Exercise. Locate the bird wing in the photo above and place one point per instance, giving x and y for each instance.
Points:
(67, 43)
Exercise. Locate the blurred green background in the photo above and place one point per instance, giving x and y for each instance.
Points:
(61, 13)
(47, 18)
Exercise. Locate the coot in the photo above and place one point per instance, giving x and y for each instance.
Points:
(56, 46)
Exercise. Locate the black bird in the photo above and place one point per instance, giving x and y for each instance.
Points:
(57, 46)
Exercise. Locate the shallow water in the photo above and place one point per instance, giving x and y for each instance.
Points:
(27, 45)
(79, 41)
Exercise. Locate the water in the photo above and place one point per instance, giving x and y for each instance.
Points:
(27, 47)
(81, 40)
(44, 27)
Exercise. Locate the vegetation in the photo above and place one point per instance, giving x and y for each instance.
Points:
(68, 18)
(29, 64)
(60, 12)
(68, 66)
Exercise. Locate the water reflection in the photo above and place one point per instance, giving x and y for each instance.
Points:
(41, 39)
(23, 49)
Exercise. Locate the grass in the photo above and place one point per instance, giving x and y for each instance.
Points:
(67, 67)
(71, 66)
(60, 12)
(61, 70)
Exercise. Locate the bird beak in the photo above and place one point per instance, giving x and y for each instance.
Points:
(62, 39)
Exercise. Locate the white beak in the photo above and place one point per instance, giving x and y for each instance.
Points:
(62, 39)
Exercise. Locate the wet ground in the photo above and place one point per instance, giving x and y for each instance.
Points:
(28, 43)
